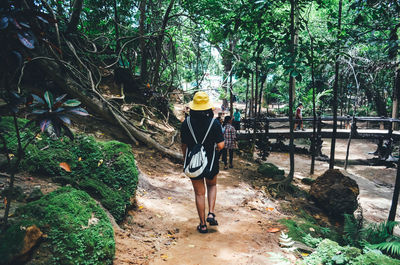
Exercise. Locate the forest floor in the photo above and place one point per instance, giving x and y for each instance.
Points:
(162, 228)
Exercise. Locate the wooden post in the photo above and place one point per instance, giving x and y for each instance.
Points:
(318, 142)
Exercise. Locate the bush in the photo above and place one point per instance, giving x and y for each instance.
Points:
(64, 216)
(305, 227)
(330, 252)
(106, 170)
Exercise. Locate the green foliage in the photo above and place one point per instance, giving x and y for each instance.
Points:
(311, 241)
(78, 230)
(11, 243)
(106, 170)
(269, 170)
(304, 228)
(391, 247)
(351, 230)
(331, 253)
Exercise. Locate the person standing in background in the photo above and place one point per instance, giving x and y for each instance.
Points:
(299, 118)
(236, 120)
(230, 142)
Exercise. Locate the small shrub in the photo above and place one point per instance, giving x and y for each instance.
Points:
(330, 252)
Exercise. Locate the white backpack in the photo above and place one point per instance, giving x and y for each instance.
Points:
(196, 159)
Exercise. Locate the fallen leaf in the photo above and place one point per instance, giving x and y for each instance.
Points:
(164, 256)
(100, 162)
(140, 207)
(269, 208)
(191, 246)
(312, 229)
(65, 166)
(169, 198)
(80, 159)
(305, 254)
(273, 229)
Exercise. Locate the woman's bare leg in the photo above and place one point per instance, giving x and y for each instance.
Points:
(211, 193)
(200, 191)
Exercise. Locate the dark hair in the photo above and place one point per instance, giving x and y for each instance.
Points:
(300, 104)
(227, 120)
(201, 114)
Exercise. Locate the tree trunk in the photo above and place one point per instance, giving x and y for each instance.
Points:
(314, 136)
(260, 96)
(256, 91)
(335, 90)
(252, 95)
(143, 61)
(159, 44)
(247, 98)
(396, 192)
(116, 26)
(393, 53)
(230, 95)
(292, 85)
(74, 19)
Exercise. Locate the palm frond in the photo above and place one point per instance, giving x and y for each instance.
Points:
(391, 247)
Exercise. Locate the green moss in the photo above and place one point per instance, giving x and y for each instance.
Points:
(330, 252)
(63, 215)
(269, 170)
(107, 170)
(11, 243)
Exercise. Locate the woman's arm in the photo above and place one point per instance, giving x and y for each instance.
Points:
(220, 146)
(184, 147)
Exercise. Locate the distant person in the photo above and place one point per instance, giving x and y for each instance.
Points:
(230, 142)
(236, 119)
(299, 118)
(201, 126)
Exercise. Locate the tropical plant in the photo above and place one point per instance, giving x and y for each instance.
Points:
(47, 112)
(373, 236)
(55, 112)
(308, 99)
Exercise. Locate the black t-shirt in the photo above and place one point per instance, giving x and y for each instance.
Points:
(200, 126)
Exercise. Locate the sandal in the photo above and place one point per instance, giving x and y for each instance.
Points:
(212, 220)
(202, 228)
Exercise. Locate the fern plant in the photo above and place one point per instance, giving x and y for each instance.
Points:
(390, 247)
(379, 233)
(352, 230)
(380, 236)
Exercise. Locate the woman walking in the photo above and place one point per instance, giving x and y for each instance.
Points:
(230, 142)
(201, 128)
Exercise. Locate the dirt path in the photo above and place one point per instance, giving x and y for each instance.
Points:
(163, 228)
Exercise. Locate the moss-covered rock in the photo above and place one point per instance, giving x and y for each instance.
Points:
(106, 170)
(269, 170)
(78, 230)
(330, 252)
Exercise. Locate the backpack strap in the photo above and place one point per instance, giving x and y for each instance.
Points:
(209, 128)
(192, 132)
(191, 129)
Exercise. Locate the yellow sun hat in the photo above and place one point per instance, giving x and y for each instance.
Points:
(201, 101)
